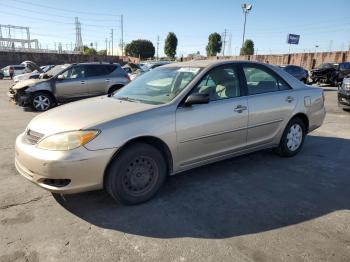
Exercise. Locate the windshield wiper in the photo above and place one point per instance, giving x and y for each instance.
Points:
(125, 98)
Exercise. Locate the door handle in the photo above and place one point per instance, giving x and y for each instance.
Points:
(82, 82)
(240, 108)
(289, 99)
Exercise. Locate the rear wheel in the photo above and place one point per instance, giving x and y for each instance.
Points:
(41, 101)
(113, 89)
(136, 174)
(292, 138)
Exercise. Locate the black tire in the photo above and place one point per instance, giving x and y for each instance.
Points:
(304, 81)
(136, 174)
(113, 89)
(47, 101)
(285, 149)
(1, 76)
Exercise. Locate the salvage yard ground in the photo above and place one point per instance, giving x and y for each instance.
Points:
(257, 207)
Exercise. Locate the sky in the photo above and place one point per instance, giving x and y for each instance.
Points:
(325, 24)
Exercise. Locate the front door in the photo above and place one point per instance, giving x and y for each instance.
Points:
(72, 84)
(215, 129)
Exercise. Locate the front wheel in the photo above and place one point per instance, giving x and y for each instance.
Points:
(41, 101)
(136, 174)
(292, 138)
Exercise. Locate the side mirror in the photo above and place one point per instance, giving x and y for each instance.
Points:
(196, 99)
(60, 77)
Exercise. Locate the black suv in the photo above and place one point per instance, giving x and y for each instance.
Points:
(330, 73)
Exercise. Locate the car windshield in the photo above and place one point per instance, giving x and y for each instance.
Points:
(54, 71)
(158, 86)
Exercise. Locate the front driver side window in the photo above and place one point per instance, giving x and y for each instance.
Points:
(74, 72)
(220, 83)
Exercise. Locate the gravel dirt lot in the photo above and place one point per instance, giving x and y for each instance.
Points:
(257, 207)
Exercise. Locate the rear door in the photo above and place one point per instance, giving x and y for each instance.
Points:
(73, 85)
(218, 128)
(270, 100)
(98, 77)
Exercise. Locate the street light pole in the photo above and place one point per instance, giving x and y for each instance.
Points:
(245, 21)
(246, 8)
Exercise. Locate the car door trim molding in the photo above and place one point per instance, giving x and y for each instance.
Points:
(230, 131)
(266, 123)
(214, 134)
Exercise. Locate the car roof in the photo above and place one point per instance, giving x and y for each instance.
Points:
(209, 63)
(96, 63)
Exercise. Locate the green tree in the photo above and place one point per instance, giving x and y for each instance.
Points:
(102, 52)
(89, 50)
(247, 48)
(214, 44)
(170, 45)
(140, 48)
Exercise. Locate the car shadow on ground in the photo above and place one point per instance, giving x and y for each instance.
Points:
(243, 195)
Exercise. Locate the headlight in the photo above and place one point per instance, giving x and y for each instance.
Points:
(67, 140)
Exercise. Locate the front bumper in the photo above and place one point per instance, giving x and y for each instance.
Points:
(83, 168)
(344, 98)
(20, 97)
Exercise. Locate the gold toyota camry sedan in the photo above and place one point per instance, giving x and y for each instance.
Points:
(171, 119)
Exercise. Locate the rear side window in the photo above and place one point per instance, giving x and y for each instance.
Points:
(96, 70)
(19, 67)
(261, 81)
(110, 68)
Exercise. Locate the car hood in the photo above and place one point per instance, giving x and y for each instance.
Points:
(320, 70)
(84, 114)
(26, 83)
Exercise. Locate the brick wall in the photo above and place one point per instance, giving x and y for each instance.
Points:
(14, 58)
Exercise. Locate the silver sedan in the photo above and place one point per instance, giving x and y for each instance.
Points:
(172, 119)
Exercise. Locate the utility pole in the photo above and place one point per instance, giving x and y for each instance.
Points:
(112, 40)
(122, 33)
(157, 48)
(96, 45)
(224, 42)
(106, 46)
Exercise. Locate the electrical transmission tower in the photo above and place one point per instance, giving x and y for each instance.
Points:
(78, 40)
(224, 34)
(230, 44)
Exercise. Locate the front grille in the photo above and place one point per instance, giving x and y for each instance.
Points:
(32, 137)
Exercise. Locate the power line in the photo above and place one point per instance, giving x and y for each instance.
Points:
(62, 9)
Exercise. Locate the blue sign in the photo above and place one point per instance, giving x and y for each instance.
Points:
(293, 39)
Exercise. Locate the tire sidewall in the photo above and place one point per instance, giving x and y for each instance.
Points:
(40, 94)
(113, 182)
(285, 151)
